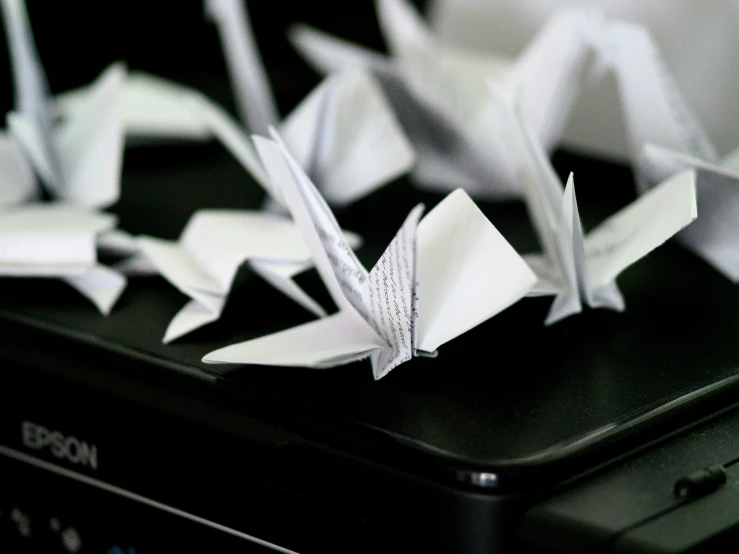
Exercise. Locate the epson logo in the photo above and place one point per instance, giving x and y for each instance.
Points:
(71, 449)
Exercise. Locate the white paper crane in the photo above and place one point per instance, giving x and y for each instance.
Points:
(666, 137)
(77, 160)
(440, 276)
(344, 134)
(440, 92)
(202, 264)
(582, 269)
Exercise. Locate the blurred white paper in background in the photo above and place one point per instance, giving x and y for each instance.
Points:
(79, 162)
(154, 109)
(580, 269)
(344, 133)
(346, 137)
(57, 240)
(440, 92)
(436, 280)
(666, 137)
(252, 92)
(698, 39)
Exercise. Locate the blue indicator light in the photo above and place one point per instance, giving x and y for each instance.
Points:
(118, 550)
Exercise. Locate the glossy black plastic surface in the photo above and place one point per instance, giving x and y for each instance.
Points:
(510, 395)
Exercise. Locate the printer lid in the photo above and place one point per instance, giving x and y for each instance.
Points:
(512, 401)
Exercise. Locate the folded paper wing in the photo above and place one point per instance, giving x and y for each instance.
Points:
(79, 160)
(334, 340)
(467, 271)
(59, 241)
(667, 138)
(445, 156)
(549, 72)
(214, 244)
(580, 269)
(154, 109)
(101, 285)
(654, 108)
(89, 145)
(49, 240)
(715, 234)
(440, 92)
(379, 312)
(636, 230)
(346, 137)
(546, 75)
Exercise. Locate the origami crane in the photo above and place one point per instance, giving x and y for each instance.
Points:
(440, 276)
(213, 245)
(582, 269)
(666, 137)
(202, 264)
(344, 134)
(77, 160)
(441, 97)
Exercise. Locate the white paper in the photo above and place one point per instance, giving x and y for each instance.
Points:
(667, 138)
(102, 285)
(378, 310)
(211, 249)
(17, 180)
(59, 241)
(460, 280)
(89, 145)
(581, 269)
(335, 340)
(254, 100)
(654, 108)
(49, 239)
(79, 159)
(715, 235)
(440, 92)
(346, 137)
(698, 40)
(154, 109)
(344, 134)
(117, 242)
(31, 90)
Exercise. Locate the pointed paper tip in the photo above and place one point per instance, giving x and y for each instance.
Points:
(106, 304)
(214, 356)
(171, 335)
